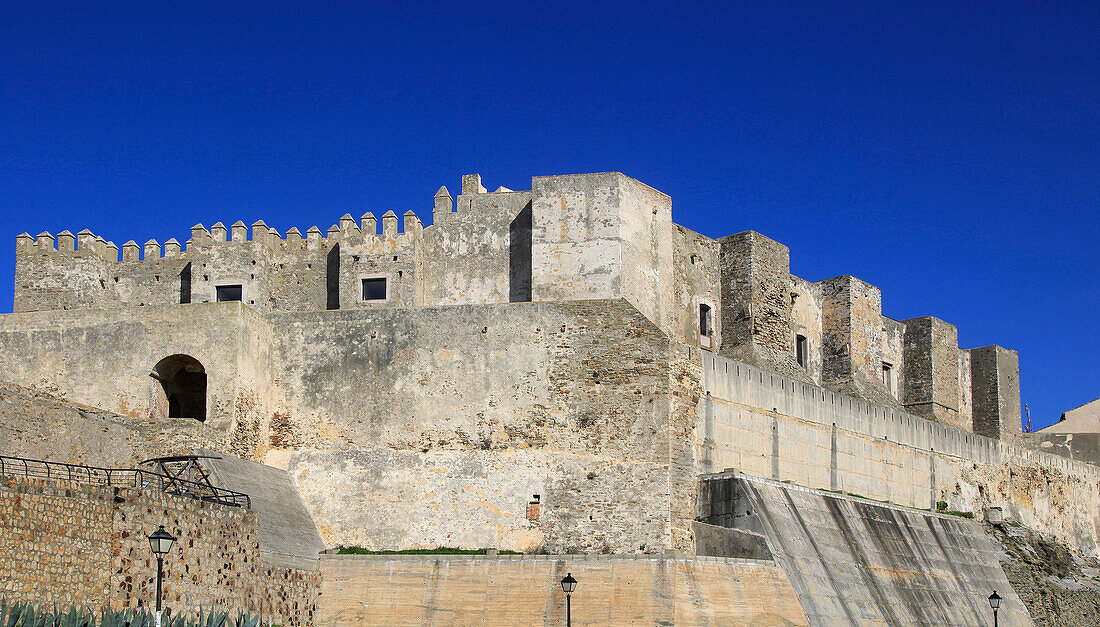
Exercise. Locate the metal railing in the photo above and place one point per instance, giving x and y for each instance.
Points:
(124, 478)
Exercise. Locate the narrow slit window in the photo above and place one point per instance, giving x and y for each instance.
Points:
(705, 323)
(888, 376)
(227, 293)
(374, 289)
(801, 350)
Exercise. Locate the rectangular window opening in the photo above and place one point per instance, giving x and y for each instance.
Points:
(706, 326)
(226, 293)
(888, 376)
(374, 289)
(801, 350)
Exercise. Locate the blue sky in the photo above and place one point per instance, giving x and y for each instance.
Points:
(947, 153)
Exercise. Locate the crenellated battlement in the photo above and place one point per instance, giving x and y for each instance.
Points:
(402, 231)
(570, 237)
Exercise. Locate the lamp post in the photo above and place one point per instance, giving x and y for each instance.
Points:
(161, 542)
(995, 603)
(568, 585)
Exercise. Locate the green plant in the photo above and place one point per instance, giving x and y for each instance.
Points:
(443, 550)
(591, 475)
(24, 614)
(951, 512)
(941, 506)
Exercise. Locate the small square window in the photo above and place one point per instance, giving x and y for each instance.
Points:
(374, 289)
(228, 293)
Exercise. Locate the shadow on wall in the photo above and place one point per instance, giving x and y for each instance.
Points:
(182, 389)
(519, 257)
(332, 278)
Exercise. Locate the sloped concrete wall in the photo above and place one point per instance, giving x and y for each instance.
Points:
(525, 590)
(854, 562)
(286, 528)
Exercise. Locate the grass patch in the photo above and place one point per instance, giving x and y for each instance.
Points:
(952, 512)
(443, 550)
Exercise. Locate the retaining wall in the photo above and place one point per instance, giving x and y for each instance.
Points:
(854, 562)
(771, 426)
(525, 590)
(65, 543)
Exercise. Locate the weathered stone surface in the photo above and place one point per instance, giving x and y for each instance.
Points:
(769, 426)
(70, 543)
(854, 562)
(525, 590)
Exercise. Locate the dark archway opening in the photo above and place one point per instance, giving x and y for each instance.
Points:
(183, 380)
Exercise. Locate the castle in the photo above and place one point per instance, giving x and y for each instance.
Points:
(561, 370)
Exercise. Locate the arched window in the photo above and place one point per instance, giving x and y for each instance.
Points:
(183, 381)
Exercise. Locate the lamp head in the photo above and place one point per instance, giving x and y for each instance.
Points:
(161, 541)
(568, 584)
(994, 600)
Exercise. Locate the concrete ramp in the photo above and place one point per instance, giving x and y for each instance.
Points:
(855, 562)
(286, 528)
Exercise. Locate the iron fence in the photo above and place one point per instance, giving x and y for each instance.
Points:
(124, 478)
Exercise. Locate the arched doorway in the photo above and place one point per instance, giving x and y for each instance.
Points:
(183, 381)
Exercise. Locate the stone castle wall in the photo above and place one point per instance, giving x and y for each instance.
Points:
(770, 426)
(66, 543)
(571, 237)
(452, 418)
(491, 403)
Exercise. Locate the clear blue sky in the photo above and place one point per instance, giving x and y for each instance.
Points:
(947, 153)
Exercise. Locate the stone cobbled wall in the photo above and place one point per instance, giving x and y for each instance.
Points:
(65, 543)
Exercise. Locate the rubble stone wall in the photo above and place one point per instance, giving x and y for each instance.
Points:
(67, 543)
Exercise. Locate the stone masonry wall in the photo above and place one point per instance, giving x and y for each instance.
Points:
(995, 373)
(525, 590)
(932, 387)
(456, 414)
(695, 260)
(481, 252)
(104, 358)
(584, 236)
(770, 426)
(64, 543)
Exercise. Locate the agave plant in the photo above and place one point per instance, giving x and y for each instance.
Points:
(23, 614)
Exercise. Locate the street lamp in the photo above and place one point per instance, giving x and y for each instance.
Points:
(995, 603)
(568, 585)
(161, 542)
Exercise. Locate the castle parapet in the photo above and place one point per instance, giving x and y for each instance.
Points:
(131, 251)
(444, 205)
(85, 240)
(66, 242)
(200, 237)
(24, 242)
(45, 241)
(389, 224)
(218, 232)
(239, 231)
(412, 223)
(152, 250)
(260, 232)
(471, 184)
(171, 248)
